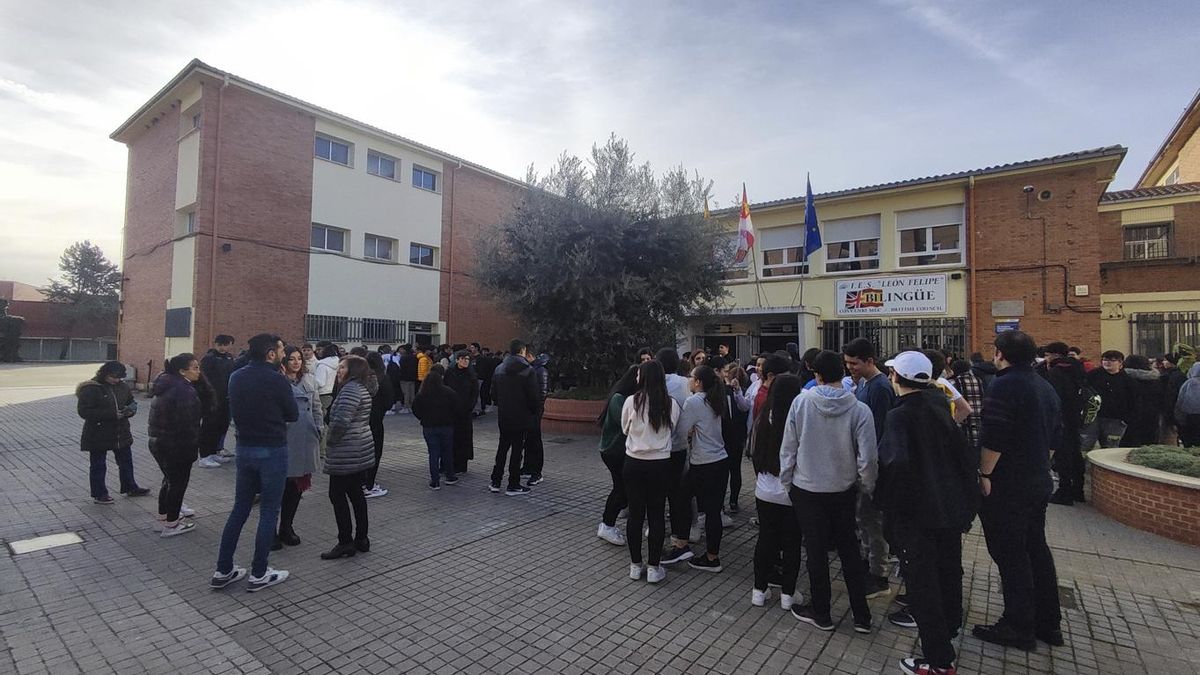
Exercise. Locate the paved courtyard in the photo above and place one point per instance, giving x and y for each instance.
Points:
(464, 581)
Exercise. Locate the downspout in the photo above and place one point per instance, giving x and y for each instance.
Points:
(971, 228)
(212, 263)
(450, 277)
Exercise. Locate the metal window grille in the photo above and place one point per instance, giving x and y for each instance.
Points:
(1156, 334)
(891, 336)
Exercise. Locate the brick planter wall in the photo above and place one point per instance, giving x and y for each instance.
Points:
(577, 418)
(1145, 501)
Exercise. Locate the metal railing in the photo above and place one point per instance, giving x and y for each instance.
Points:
(891, 336)
(344, 329)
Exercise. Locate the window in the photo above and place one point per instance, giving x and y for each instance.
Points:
(378, 248)
(425, 179)
(782, 262)
(381, 165)
(930, 236)
(196, 121)
(1147, 242)
(328, 238)
(420, 254)
(852, 244)
(1172, 178)
(334, 151)
(191, 222)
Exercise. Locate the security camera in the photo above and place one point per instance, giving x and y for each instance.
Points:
(1028, 189)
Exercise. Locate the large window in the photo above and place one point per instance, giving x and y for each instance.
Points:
(420, 254)
(381, 165)
(332, 150)
(379, 248)
(328, 238)
(783, 251)
(1146, 242)
(852, 244)
(930, 236)
(424, 178)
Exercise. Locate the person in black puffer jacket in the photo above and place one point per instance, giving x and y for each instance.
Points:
(1145, 416)
(381, 402)
(105, 403)
(461, 378)
(349, 453)
(174, 430)
(436, 405)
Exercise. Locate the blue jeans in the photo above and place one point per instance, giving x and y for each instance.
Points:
(441, 452)
(263, 471)
(99, 471)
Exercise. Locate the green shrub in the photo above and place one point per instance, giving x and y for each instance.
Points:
(581, 394)
(1173, 459)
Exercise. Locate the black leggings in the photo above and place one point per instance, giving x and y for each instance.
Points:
(377, 436)
(778, 534)
(176, 471)
(736, 451)
(616, 497)
(346, 492)
(288, 507)
(646, 484)
(706, 482)
(680, 498)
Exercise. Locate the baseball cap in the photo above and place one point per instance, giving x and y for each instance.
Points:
(913, 366)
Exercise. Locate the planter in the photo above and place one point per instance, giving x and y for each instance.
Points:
(570, 417)
(1166, 504)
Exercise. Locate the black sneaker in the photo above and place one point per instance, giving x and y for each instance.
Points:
(516, 490)
(703, 562)
(526, 472)
(863, 627)
(1053, 637)
(494, 487)
(453, 480)
(903, 619)
(1005, 636)
(435, 486)
(534, 479)
(677, 554)
(136, 492)
(1062, 499)
(805, 614)
(901, 599)
(877, 587)
(733, 507)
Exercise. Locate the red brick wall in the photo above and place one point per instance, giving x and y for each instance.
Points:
(49, 319)
(264, 212)
(1172, 511)
(1181, 272)
(472, 202)
(149, 226)
(1009, 255)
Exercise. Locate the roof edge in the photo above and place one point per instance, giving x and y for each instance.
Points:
(1194, 106)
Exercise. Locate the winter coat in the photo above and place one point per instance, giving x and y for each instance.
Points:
(465, 386)
(304, 435)
(408, 368)
(174, 425)
(435, 406)
(1172, 381)
(383, 400)
(1067, 376)
(926, 467)
(325, 374)
(105, 411)
(350, 447)
(1144, 418)
(986, 372)
(216, 367)
(1188, 402)
(424, 364)
(515, 391)
(1116, 394)
(543, 375)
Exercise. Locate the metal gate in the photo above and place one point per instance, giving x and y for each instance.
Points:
(891, 336)
(1157, 334)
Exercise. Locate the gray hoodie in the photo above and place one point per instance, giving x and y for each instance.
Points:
(828, 442)
(1188, 402)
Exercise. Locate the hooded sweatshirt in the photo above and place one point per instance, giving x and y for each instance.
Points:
(1188, 402)
(828, 442)
(326, 374)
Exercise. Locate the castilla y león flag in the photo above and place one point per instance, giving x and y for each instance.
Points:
(745, 239)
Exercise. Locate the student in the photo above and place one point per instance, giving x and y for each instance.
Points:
(325, 373)
(303, 442)
(461, 378)
(382, 401)
(678, 497)
(612, 453)
(735, 429)
(927, 490)
(349, 454)
(828, 456)
(778, 530)
(1187, 409)
(700, 425)
(647, 420)
(105, 403)
(515, 390)
(435, 406)
(174, 437)
(216, 366)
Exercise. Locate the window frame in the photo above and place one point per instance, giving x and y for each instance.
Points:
(901, 256)
(332, 140)
(803, 264)
(436, 175)
(1168, 238)
(393, 243)
(855, 258)
(189, 223)
(433, 255)
(376, 155)
(345, 239)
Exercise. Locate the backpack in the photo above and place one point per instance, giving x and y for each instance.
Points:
(1090, 401)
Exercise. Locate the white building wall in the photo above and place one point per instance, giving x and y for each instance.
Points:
(351, 199)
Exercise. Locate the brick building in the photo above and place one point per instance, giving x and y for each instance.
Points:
(250, 210)
(50, 334)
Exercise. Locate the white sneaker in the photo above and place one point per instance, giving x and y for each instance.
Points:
(375, 491)
(759, 598)
(726, 520)
(268, 579)
(656, 574)
(208, 463)
(181, 527)
(786, 601)
(223, 458)
(635, 570)
(611, 534)
(228, 454)
(186, 511)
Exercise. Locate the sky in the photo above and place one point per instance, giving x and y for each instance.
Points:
(757, 92)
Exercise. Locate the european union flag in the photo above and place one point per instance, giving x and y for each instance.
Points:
(812, 232)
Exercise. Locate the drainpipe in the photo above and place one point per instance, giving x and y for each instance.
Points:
(971, 228)
(450, 277)
(212, 263)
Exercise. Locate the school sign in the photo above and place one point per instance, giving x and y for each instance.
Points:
(924, 294)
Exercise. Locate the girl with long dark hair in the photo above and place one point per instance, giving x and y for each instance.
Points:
(612, 453)
(700, 423)
(349, 454)
(647, 420)
(435, 405)
(734, 429)
(778, 532)
(303, 442)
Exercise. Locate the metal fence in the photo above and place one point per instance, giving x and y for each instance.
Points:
(343, 329)
(1156, 334)
(896, 335)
